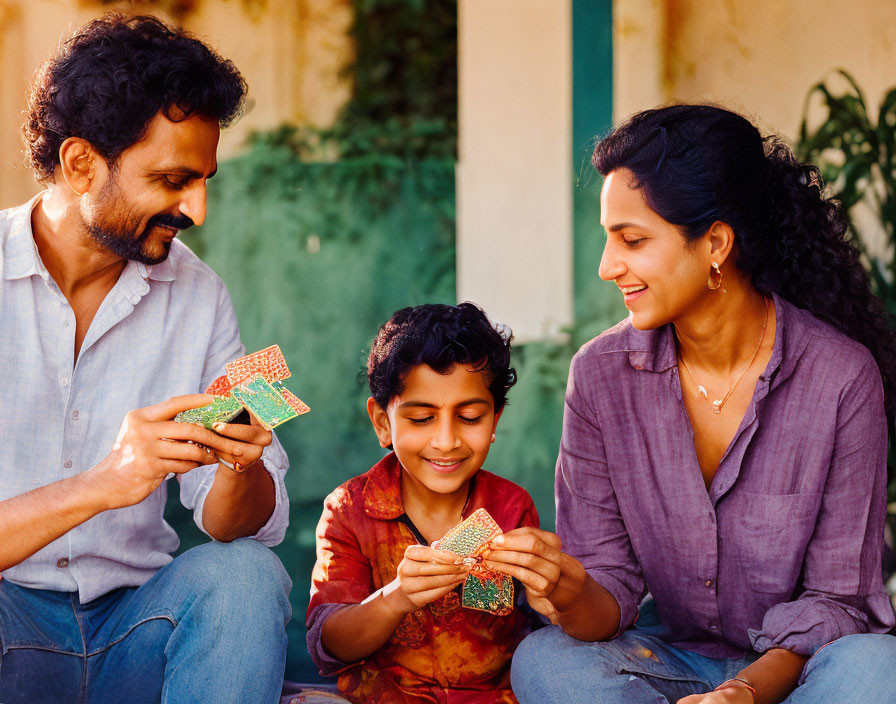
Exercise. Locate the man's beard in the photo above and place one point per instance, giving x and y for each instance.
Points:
(110, 229)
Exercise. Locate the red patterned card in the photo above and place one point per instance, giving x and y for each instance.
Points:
(269, 363)
(220, 387)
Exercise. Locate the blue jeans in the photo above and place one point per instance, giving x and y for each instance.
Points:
(208, 627)
(639, 668)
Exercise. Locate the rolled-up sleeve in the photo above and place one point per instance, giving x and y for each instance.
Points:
(841, 577)
(589, 521)
(224, 347)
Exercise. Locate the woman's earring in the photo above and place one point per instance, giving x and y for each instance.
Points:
(715, 284)
(493, 437)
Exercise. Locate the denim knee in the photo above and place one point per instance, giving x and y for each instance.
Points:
(850, 655)
(243, 572)
(551, 666)
(854, 669)
(528, 658)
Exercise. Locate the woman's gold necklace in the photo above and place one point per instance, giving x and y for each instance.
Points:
(701, 390)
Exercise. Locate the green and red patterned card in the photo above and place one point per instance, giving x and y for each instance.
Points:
(253, 383)
(484, 589)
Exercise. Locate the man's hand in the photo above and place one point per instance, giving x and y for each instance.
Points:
(424, 575)
(553, 580)
(249, 442)
(150, 445)
(733, 694)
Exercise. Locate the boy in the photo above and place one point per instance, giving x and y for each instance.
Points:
(385, 609)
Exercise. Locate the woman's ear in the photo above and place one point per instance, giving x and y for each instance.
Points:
(721, 241)
(380, 421)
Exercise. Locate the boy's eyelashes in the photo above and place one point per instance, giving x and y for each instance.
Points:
(471, 420)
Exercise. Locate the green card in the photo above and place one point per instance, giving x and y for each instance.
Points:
(264, 402)
(222, 409)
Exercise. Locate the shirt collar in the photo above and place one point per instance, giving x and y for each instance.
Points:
(21, 258)
(382, 492)
(654, 350)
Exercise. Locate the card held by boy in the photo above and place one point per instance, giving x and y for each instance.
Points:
(484, 589)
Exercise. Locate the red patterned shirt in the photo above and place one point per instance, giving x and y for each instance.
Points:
(441, 653)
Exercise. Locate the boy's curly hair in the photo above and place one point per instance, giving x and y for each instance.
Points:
(439, 336)
(113, 76)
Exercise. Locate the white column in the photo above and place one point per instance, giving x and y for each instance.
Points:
(514, 176)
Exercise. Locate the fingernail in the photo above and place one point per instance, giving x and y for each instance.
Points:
(459, 561)
(499, 540)
(218, 426)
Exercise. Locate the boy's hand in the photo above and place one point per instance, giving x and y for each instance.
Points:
(424, 575)
(553, 580)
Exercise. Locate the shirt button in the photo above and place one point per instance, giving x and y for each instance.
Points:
(714, 628)
(65, 324)
(67, 464)
(62, 563)
(75, 415)
(708, 582)
(63, 381)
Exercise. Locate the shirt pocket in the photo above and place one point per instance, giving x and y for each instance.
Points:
(769, 537)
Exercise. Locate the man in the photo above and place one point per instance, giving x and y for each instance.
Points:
(102, 312)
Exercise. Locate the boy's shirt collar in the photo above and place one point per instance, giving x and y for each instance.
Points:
(382, 492)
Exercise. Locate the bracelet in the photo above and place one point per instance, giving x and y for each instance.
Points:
(235, 467)
(743, 682)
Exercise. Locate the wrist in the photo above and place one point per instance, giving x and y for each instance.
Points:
(396, 601)
(234, 467)
(738, 683)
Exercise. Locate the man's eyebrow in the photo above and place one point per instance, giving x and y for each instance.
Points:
(425, 404)
(189, 173)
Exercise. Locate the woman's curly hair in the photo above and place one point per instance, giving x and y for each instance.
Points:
(440, 337)
(698, 164)
(113, 76)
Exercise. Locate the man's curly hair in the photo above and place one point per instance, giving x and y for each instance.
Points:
(113, 76)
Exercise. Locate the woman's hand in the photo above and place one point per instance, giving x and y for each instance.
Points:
(424, 575)
(731, 694)
(553, 580)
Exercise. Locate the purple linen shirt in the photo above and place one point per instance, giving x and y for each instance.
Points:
(784, 550)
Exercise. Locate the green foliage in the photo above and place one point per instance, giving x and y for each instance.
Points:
(406, 67)
(857, 158)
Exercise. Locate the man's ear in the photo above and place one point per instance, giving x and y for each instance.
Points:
(77, 164)
(380, 421)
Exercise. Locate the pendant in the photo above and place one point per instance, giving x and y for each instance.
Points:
(718, 406)
(701, 390)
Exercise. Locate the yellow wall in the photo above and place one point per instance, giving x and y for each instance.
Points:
(759, 56)
(290, 51)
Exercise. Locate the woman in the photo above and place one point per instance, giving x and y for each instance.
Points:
(724, 448)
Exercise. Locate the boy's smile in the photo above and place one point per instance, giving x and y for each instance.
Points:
(441, 428)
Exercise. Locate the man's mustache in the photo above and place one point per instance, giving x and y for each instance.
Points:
(176, 222)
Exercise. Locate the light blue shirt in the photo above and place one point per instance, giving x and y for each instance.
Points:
(162, 331)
